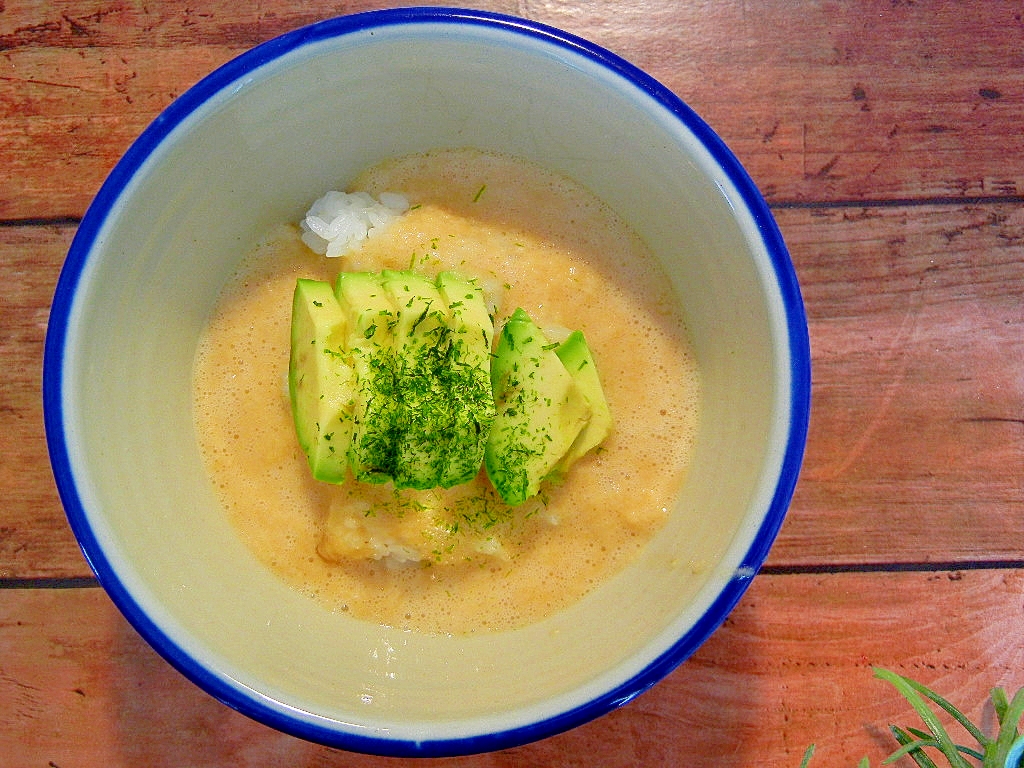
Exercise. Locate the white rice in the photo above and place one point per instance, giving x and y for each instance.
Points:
(340, 221)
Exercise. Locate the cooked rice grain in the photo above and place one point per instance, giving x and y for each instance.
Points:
(339, 221)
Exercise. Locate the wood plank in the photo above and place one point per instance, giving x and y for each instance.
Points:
(821, 101)
(71, 115)
(78, 686)
(916, 447)
(75, 24)
(35, 540)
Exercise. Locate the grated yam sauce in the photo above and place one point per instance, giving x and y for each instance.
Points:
(457, 561)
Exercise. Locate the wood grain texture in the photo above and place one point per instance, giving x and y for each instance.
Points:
(821, 101)
(35, 540)
(765, 686)
(916, 445)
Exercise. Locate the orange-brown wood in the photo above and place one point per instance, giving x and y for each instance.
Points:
(916, 446)
(888, 137)
(822, 101)
(35, 540)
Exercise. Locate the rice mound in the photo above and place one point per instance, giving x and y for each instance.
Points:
(339, 221)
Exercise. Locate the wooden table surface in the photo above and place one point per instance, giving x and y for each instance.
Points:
(888, 138)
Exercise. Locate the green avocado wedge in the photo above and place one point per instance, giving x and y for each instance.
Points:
(320, 382)
(424, 415)
(466, 377)
(372, 317)
(576, 356)
(539, 411)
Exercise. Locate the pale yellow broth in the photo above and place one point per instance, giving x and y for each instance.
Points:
(536, 240)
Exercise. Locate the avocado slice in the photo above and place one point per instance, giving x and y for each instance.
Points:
(540, 410)
(391, 376)
(466, 378)
(423, 410)
(576, 356)
(320, 382)
(372, 317)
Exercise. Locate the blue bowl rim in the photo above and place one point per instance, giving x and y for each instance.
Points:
(252, 705)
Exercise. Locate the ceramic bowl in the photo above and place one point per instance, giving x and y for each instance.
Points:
(254, 143)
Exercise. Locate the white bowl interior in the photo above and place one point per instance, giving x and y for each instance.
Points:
(255, 154)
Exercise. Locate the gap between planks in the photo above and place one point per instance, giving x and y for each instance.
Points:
(90, 582)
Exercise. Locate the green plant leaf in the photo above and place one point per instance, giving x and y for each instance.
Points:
(964, 750)
(1000, 703)
(910, 692)
(1008, 728)
(957, 715)
(911, 746)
